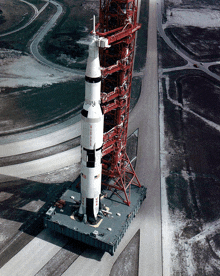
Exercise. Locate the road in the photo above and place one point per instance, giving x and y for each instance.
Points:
(36, 14)
(43, 138)
(204, 66)
(39, 37)
(145, 117)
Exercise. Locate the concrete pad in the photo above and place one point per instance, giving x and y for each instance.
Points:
(34, 255)
(41, 166)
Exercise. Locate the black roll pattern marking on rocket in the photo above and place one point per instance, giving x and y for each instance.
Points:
(92, 126)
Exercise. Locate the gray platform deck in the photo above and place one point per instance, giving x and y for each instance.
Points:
(111, 229)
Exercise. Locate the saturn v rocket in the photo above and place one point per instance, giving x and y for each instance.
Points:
(92, 123)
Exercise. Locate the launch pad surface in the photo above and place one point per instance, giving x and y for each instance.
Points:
(108, 232)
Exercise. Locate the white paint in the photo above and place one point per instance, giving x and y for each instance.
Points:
(92, 125)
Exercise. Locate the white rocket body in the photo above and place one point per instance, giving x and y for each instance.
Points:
(92, 121)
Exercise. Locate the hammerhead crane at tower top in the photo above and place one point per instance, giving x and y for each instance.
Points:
(110, 193)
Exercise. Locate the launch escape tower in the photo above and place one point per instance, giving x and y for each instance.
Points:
(117, 23)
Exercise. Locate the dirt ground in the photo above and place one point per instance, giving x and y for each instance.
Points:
(190, 151)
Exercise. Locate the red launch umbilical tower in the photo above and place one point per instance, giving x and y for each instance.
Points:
(117, 23)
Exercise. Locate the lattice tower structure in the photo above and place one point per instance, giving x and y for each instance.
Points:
(117, 23)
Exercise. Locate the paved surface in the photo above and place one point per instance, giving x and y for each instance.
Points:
(145, 117)
(28, 261)
(39, 37)
(148, 170)
(204, 66)
(36, 14)
(43, 165)
(10, 146)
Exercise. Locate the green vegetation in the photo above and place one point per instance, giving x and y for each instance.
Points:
(61, 46)
(19, 40)
(52, 101)
(30, 106)
(2, 17)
